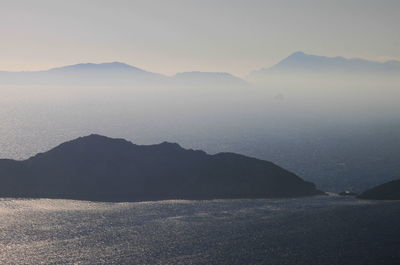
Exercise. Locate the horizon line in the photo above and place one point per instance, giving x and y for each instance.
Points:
(200, 71)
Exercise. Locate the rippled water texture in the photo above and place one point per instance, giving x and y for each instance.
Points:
(320, 230)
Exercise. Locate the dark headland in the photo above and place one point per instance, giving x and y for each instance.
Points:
(387, 191)
(99, 168)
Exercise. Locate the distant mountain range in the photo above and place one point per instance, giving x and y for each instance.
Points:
(301, 63)
(117, 73)
(105, 169)
(114, 73)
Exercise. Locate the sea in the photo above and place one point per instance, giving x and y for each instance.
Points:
(321, 230)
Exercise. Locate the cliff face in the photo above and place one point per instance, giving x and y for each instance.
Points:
(100, 168)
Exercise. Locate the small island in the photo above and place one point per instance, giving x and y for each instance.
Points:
(99, 168)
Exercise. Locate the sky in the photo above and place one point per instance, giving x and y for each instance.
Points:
(208, 35)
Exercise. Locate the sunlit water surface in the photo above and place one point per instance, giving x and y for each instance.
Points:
(319, 230)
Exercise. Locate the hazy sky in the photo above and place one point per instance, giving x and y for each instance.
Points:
(170, 36)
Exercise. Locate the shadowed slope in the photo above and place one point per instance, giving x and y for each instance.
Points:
(387, 191)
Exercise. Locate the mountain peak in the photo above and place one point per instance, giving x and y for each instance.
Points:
(298, 54)
(95, 137)
(97, 66)
(170, 146)
(87, 144)
(300, 62)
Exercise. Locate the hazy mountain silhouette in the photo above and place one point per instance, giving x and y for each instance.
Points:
(300, 62)
(208, 78)
(100, 168)
(115, 67)
(114, 73)
(387, 191)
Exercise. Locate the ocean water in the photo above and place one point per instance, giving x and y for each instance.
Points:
(350, 143)
(316, 230)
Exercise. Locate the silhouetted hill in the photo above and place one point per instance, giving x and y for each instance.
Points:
(114, 73)
(387, 191)
(302, 63)
(100, 168)
(92, 67)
